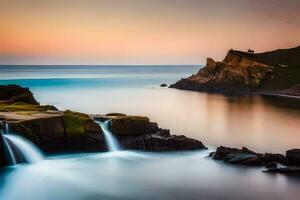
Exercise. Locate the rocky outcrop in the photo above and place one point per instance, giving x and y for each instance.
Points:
(247, 157)
(57, 131)
(161, 142)
(275, 72)
(274, 163)
(238, 156)
(15, 93)
(132, 125)
(138, 133)
(293, 156)
(237, 73)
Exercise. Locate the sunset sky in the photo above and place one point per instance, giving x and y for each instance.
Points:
(142, 31)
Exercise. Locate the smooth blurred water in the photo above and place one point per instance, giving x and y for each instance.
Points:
(139, 175)
(260, 123)
(111, 141)
(28, 150)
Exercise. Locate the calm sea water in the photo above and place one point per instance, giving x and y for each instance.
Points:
(260, 123)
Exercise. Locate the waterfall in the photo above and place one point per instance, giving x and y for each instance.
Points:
(11, 155)
(111, 141)
(19, 149)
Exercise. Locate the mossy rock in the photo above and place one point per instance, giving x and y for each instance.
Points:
(76, 124)
(116, 115)
(20, 106)
(132, 125)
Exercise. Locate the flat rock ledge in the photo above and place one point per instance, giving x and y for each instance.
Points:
(139, 133)
(274, 163)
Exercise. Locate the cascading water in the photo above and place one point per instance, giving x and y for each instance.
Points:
(20, 149)
(111, 141)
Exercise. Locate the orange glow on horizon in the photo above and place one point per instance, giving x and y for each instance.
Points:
(118, 35)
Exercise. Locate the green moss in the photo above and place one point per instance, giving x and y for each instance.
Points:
(19, 106)
(125, 125)
(74, 123)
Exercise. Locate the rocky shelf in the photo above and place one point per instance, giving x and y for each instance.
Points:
(57, 131)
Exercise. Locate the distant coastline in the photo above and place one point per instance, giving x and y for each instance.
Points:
(272, 73)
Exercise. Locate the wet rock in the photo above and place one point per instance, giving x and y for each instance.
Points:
(293, 156)
(211, 154)
(60, 131)
(163, 85)
(247, 157)
(156, 142)
(277, 158)
(271, 165)
(285, 170)
(238, 156)
(40, 130)
(89, 142)
(2, 155)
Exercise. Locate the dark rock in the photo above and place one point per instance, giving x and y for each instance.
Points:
(245, 156)
(285, 170)
(277, 158)
(50, 134)
(15, 93)
(271, 165)
(238, 156)
(293, 156)
(155, 142)
(3, 161)
(211, 154)
(89, 142)
(163, 85)
(132, 125)
(40, 130)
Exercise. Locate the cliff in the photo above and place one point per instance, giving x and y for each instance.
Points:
(242, 72)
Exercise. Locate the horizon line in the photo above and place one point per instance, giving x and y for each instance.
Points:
(101, 64)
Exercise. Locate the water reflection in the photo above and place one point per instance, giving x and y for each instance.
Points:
(260, 123)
